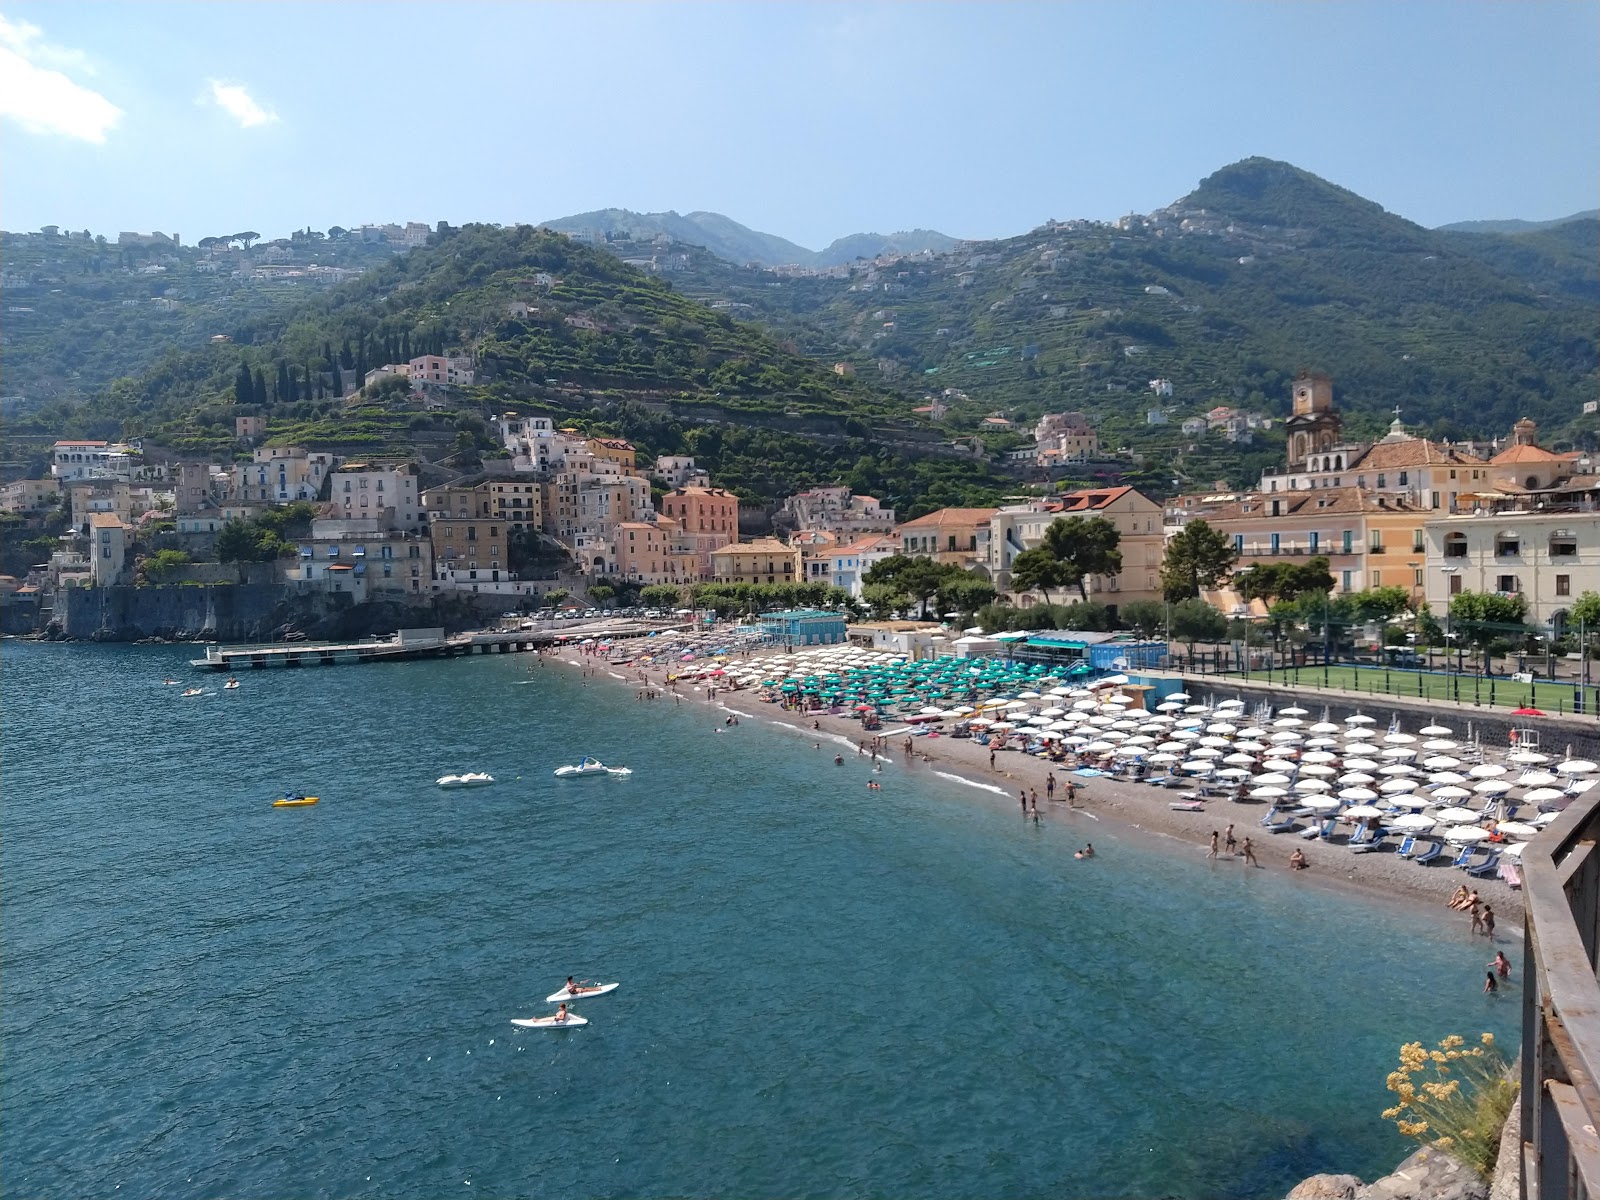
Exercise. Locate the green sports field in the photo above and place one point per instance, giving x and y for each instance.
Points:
(1552, 698)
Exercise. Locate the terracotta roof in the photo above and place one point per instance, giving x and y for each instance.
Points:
(1085, 499)
(102, 520)
(1333, 501)
(1413, 452)
(765, 545)
(951, 516)
(860, 546)
(1530, 454)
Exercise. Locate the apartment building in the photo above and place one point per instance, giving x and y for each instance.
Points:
(765, 560)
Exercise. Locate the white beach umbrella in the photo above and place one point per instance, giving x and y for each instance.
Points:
(1409, 801)
(1487, 771)
(1517, 829)
(1173, 747)
(1320, 803)
(1576, 766)
(1101, 722)
(1273, 779)
(1277, 764)
(1288, 723)
(1357, 733)
(1360, 719)
(1543, 795)
(1449, 778)
(1323, 727)
(1293, 711)
(1185, 735)
(1196, 708)
(1219, 742)
(1286, 738)
(1398, 787)
(1361, 812)
(1413, 822)
(1317, 769)
(1252, 731)
(1537, 779)
(1398, 739)
(1240, 760)
(1179, 696)
(1234, 703)
(1512, 850)
(1319, 756)
(1053, 711)
(1491, 787)
(1544, 819)
(1441, 762)
(1313, 785)
(1465, 835)
(1399, 752)
(1058, 691)
(1028, 696)
(1357, 778)
(1527, 757)
(1196, 766)
(1206, 752)
(1126, 751)
(1233, 773)
(1393, 770)
(1169, 706)
(1221, 727)
(1194, 723)
(1436, 730)
(1267, 793)
(1321, 743)
(1099, 747)
(1456, 816)
(1140, 740)
(1439, 745)
(1251, 747)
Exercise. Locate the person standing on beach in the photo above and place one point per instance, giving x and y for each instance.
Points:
(1477, 917)
(1050, 785)
(1229, 842)
(1249, 853)
(1215, 837)
(1033, 799)
(1023, 796)
(1072, 794)
(991, 758)
(1488, 921)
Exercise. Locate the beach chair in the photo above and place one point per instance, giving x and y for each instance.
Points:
(1432, 852)
(1362, 836)
(1271, 816)
(1370, 845)
(1464, 859)
(1486, 868)
(1323, 831)
(1512, 874)
(1408, 846)
(1282, 826)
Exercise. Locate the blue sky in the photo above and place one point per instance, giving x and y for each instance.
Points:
(806, 120)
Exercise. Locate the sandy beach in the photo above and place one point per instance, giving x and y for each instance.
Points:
(1131, 809)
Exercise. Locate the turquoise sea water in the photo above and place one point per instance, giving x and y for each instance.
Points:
(826, 991)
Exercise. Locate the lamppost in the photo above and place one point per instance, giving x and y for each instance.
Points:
(1237, 575)
(1449, 634)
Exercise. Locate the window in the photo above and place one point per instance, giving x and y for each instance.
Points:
(1377, 541)
(1416, 541)
(1275, 543)
(1435, 498)
(1382, 480)
(1506, 545)
(1563, 544)
(1315, 541)
(1238, 543)
(1563, 585)
(1455, 545)
(1344, 581)
(1416, 577)
(1377, 579)
(1506, 583)
(1347, 539)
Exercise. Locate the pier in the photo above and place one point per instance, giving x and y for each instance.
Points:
(408, 645)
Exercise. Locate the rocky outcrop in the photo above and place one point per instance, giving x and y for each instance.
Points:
(1427, 1175)
(1327, 1187)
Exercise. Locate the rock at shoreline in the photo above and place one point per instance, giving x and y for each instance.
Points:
(1326, 1187)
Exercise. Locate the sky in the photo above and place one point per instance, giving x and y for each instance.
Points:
(811, 121)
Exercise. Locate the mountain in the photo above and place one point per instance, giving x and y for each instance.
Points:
(737, 243)
(556, 327)
(1517, 226)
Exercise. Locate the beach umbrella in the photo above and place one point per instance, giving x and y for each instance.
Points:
(1313, 785)
(1360, 764)
(1393, 769)
(1286, 738)
(1052, 712)
(1234, 703)
(1397, 787)
(1233, 773)
(1140, 740)
(1359, 733)
(1513, 849)
(1413, 822)
(1273, 779)
(1492, 787)
(1576, 766)
(1250, 747)
(1447, 778)
(1169, 706)
(1288, 723)
(1173, 747)
(1319, 756)
(1320, 803)
(1517, 829)
(1295, 711)
(1360, 812)
(1185, 735)
(1437, 744)
(1029, 696)
(1399, 752)
(1537, 779)
(1527, 756)
(1196, 765)
(1321, 743)
(1318, 769)
(1323, 727)
(1222, 727)
(1360, 719)
(1456, 815)
(1544, 795)
(1163, 758)
(1356, 778)
(1100, 747)
(1215, 742)
(1465, 835)
(1240, 760)
(1544, 819)
(1206, 752)
(1398, 739)
(1279, 765)
(1267, 793)
(1435, 730)
(1179, 696)
(1487, 771)
(1441, 762)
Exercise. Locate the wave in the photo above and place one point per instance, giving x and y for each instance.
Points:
(988, 787)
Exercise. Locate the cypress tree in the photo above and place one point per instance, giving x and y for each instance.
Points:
(244, 392)
(261, 389)
(338, 380)
(405, 347)
(347, 360)
(283, 391)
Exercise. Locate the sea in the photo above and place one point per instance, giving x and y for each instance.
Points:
(826, 990)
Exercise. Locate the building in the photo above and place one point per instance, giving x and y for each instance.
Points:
(467, 549)
(30, 495)
(389, 492)
(805, 627)
(87, 459)
(654, 552)
(847, 564)
(708, 519)
(519, 502)
(440, 370)
(360, 556)
(604, 501)
(765, 560)
(247, 429)
(1141, 539)
(282, 475)
(1065, 436)
(108, 549)
(1548, 553)
(838, 511)
(613, 450)
(116, 496)
(816, 548)
(958, 536)
(678, 470)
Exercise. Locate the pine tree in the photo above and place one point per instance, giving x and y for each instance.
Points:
(244, 392)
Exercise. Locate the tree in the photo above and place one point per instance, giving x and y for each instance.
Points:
(660, 595)
(1380, 603)
(917, 577)
(260, 390)
(1147, 618)
(555, 596)
(1194, 620)
(1585, 613)
(1038, 570)
(1483, 618)
(601, 593)
(1084, 546)
(244, 391)
(1198, 556)
(965, 593)
(161, 566)
(884, 599)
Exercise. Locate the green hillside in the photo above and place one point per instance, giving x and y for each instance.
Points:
(556, 327)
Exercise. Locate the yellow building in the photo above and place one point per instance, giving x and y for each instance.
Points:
(958, 536)
(518, 502)
(614, 450)
(765, 560)
(654, 553)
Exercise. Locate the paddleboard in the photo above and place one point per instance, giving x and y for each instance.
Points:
(573, 1019)
(583, 992)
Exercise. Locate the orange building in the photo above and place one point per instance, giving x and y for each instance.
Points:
(708, 518)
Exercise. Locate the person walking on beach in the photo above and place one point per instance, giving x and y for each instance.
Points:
(1215, 837)
(1229, 842)
(1023, 796)
(991, 758)
(1501, 964)
(1050, 785)
(1033, 799)
(1072, 794)
(1488, 921)
(1249, 853)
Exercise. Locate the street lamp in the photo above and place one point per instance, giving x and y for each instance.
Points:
(1237, 576)
(1449, 635)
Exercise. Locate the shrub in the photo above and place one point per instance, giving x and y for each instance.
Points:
(1454, 1098)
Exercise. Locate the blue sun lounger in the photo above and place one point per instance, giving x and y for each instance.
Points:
(1433, 852)
(1464, 859)
(1408, 846)
(1487, 867)
(1323, 831)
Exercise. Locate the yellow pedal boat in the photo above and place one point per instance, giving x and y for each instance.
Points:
(295, 802)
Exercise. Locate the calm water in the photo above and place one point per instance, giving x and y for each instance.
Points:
(826, 991)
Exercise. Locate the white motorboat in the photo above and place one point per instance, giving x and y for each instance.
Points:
(590, 766)
(470, 779)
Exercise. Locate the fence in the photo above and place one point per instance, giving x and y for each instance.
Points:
(1561, 1009)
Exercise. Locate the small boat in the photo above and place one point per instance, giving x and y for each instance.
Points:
(295, 802)
(572, 1021)
(193, 691)
(169, 682)
(470, 779)
(231, 685)
(590, 766)
(585, 990)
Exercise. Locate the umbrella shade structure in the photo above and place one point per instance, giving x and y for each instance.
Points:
(1268, 793)
(1512, 850)
(1465, 835)
(1436, 730)
(1487, 771)
(1441, 762)
(1360, 795)
(1544, 795)
(1324, 727)
(1396, 787)
(1233, 773)
(1322, 743)
(1400, 752)
(1440, 744)
(1239, 760)
(1293, 711)
(1538, 779)
(1279, 765)
(1317, 769)
(1517, 829)
(1286, 738)
(1319, 756)
(1456, 816)
(1320, 803)
(1179, 696)
(1398, 739)
(1491, 787)
(1162, 759)
(1288, 723)
(1313, 785)
(1544, 819)
(1251, 747)
(1361, 812)
(1413, 822)
(1206, 752)
(1576, 766)
(1395, 770)
(1196, 766)
(1273, 779)
(1217, 743)
(1360, 719)
(1222, 727)
(1527, 757)
(1451, 792)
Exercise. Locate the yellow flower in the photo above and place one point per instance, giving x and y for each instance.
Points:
(1487, 1039)
(1413, 1128)
(1445, 1142)
(1390, 1114)
(1436, 1056)
(1451, 1042)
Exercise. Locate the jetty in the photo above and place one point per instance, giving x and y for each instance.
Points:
(408, 645)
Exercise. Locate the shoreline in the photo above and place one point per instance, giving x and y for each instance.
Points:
(1133, 810)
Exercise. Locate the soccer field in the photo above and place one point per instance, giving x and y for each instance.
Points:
(1500, 691)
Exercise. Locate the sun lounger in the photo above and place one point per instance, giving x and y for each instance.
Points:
(1323, 831)
(1512, 874)
(1408, 846)
(1187, 806)
(1368, 846)
(1464, 858)
(1486, 868)
(1282, 826)
(1272, 815)
(1432, 852)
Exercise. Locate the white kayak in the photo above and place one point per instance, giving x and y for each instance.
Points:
(573, 1020)
(590, 766)
(583, 993)
(470, 779)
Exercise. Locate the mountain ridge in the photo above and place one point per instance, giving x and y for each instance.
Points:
(1516, 225)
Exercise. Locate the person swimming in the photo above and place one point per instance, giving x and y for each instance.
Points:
(1086, 852)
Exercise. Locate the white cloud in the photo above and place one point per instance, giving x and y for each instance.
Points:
(42, 99)
(239, 104)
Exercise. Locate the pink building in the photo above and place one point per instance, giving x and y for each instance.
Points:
(708, 519)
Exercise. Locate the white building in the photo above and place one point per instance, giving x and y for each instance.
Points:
(387, 492)
(361, 556)
(77, 459)
(281, 475)
(441, 370)
(679, 471)
(839, 511)
(108, 548)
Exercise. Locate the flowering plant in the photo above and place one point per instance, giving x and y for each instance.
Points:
(1454, 1098)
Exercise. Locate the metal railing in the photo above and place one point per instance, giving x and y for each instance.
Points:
(1561, 1009)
